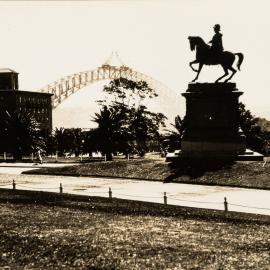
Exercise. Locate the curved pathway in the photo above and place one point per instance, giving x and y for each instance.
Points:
(202, 196)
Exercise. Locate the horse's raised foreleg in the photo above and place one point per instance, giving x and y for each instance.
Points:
(226, 73)
(193, 62)
(233, 72)
(198, 73)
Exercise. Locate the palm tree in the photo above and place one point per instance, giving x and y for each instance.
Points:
(22, 134)
(77, 141)
(59, 136)
(110, 134)
(172, 140)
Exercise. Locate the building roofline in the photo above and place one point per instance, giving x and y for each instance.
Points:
(8, 70)
(23, 91)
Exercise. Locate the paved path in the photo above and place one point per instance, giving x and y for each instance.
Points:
(212, 197)
(19, 167)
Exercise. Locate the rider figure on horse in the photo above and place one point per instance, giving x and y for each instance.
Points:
(217, 46)
(213, 55)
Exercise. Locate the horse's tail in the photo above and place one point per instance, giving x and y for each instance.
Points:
(240, 60)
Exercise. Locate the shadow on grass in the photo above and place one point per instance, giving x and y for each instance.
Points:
(195, 169)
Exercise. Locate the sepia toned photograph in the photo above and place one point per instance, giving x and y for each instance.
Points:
(134, 134)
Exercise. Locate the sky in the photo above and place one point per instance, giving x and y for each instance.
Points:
(47, 40)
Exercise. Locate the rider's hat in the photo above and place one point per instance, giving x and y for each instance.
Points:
(217, 27)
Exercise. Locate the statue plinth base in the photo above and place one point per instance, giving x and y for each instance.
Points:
(212, 112)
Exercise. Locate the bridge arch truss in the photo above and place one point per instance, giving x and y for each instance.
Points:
(65, 87)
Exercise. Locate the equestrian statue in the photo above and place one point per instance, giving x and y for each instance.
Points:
(214, 55)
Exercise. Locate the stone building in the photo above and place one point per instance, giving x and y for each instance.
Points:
(12, 99)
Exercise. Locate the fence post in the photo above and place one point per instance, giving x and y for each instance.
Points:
(165, 198)
(32, 157)
(225, 204)
(5, 156)
(61, 188)
(110, 193)
(13, 184)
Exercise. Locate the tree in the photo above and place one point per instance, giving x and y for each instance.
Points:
(180, 125)
(256, 138)
(73, 140)
(22, 134)
(89, 142)
(138, 124)
(172, 140)
(130, 93)
(69, 140)
(144, 127)
(50, 142)
(77, 141)
(110, 133)
(59, 136)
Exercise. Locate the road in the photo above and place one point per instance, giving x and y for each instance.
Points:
(202, 196)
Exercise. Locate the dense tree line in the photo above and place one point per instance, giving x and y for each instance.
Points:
(255, 129)
(257, 137)
(124, 125)
(20, 134)
(124, 122)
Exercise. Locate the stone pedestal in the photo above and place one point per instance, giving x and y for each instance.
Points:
(212, 122)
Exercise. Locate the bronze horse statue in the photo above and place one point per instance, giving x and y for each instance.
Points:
(204, 56)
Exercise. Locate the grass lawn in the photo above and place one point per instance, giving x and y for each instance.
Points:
(242, 174)
(65, 234)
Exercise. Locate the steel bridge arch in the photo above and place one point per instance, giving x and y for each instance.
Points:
(66, 86)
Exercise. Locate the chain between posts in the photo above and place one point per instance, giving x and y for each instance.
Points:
(165, 197)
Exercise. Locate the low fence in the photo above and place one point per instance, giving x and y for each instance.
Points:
(61, 159)
(164, 199)
(48, 159)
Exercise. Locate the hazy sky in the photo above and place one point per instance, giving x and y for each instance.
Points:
(47, 40)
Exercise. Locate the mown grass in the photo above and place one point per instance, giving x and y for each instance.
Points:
(242, 174)
(42, 232)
